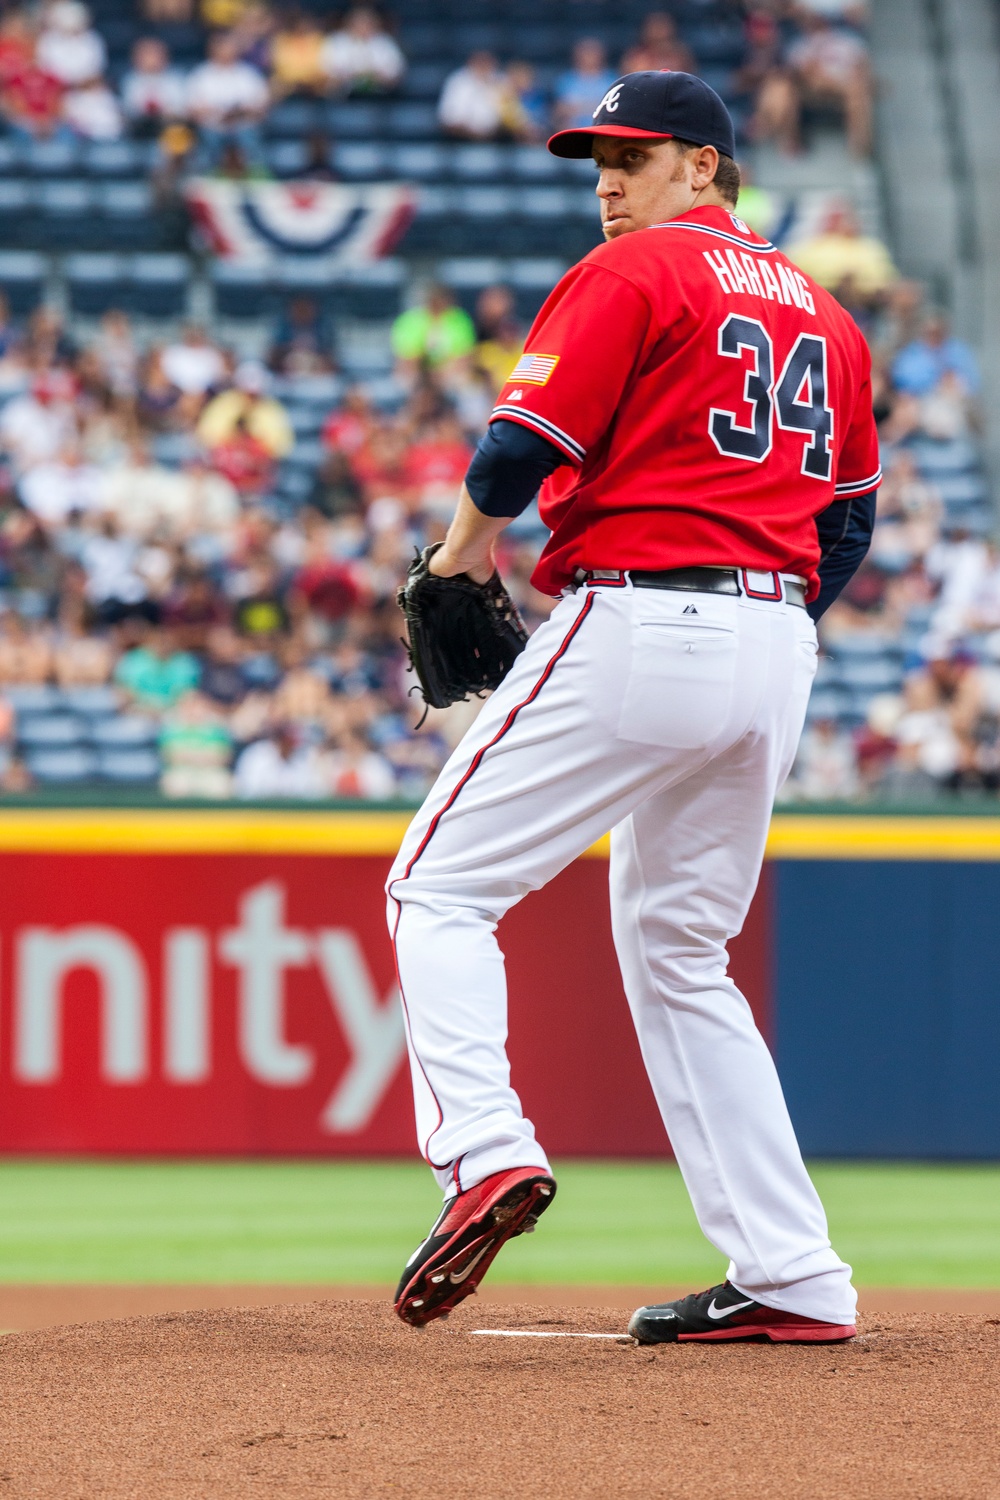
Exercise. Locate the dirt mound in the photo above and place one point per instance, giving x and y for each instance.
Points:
(339, 1399)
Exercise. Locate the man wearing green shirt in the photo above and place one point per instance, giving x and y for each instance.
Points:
(433, 334)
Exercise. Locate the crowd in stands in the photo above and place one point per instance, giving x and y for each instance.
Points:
(791, 57)
(158, 585)
(256, 643)
(907, 701)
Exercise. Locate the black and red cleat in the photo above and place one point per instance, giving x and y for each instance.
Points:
(723, 1313)
(463, 1242)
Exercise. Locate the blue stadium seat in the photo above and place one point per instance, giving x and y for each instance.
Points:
(286, 158)
(62, 767)
(480, 164)
(362, 161)
(95, 701)
(66, 199)
(242, 291)
(420, 162)
(50, 730)
(32, 697)
(424, 80)
(354, 120)
(159, 285)
(411, 121)
(96, 283)
(534, 164)
(295, 118)
(369, 292)
(129, 767)
(116, 158)
(317, 390)
(128, 200)
(22, 278)
(119, 731)
(50, 158)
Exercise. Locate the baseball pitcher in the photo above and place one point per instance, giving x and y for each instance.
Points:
(698, 415)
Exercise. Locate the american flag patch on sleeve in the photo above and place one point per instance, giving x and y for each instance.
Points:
(534, 369)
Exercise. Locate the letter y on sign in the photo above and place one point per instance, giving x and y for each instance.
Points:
(374, 1031)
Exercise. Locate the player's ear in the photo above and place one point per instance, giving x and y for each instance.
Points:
(706, 160)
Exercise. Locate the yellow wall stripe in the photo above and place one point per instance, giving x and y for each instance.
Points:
(243, 831)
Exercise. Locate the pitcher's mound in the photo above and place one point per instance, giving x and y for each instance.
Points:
(339, 1399)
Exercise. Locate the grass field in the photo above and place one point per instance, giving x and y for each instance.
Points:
(625, 1222)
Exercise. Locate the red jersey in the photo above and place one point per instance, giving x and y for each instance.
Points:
(711, 399)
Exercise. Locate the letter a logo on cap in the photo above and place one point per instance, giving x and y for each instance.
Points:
(609, 102)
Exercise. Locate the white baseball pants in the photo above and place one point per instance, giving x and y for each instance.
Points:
(671, 718)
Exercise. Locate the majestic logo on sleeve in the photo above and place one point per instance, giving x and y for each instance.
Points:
(609, 102)
(534, 369)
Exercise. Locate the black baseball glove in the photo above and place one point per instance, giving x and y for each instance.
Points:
(464, 636)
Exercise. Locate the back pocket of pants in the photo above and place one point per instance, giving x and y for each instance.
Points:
(680, 682)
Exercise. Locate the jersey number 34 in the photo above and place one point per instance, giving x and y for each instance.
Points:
(797, 397)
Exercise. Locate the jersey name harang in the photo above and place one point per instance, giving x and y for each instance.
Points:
(740, 272)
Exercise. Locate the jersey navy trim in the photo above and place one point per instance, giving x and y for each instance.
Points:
(720, 234)
(542, 424)
(858, 486)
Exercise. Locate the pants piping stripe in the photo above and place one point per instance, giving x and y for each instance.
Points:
(463, 781)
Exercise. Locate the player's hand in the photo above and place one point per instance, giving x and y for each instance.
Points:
(446, 563)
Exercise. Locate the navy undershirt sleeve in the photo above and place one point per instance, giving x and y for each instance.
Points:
(845, 533)
(508, 468)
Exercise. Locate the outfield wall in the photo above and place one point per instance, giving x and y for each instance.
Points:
(219, 981)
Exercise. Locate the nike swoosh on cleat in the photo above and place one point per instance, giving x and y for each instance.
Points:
(723, 1312)
(457, 1277)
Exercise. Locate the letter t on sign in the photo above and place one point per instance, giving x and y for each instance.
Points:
(262, 947)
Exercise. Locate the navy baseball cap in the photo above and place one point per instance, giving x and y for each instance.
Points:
(654, 105)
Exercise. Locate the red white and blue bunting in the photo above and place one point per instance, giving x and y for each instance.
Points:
(259, 222)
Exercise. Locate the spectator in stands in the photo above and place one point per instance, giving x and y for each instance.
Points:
(473, 98)
(434, 334)
(280, 765)
(831, 65)
(35, 426)
(297, 58)
(17, 44)
(360, 57)
(227, 99)
(303, 340)
(93, 112)
(921, 365)
(500, 336)
(580, 90)
(524, 114)
(841, 257)
(196, 746)
(153, 92)
(825, 766)
(61, 487)
(168, 12)
(193, 365)
(68, 48)
(659, 48)
(116, 354)
(351, 768)
(154, 675)
(765, 76)
(116, 588)
(31, 102)
(247, 402)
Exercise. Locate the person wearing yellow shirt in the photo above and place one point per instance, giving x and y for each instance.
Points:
(840, 253)
(297, 58)
(266, 419)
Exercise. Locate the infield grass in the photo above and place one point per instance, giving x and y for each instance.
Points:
(624, 1222)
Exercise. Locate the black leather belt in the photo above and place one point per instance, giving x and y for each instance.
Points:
(733, 581)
